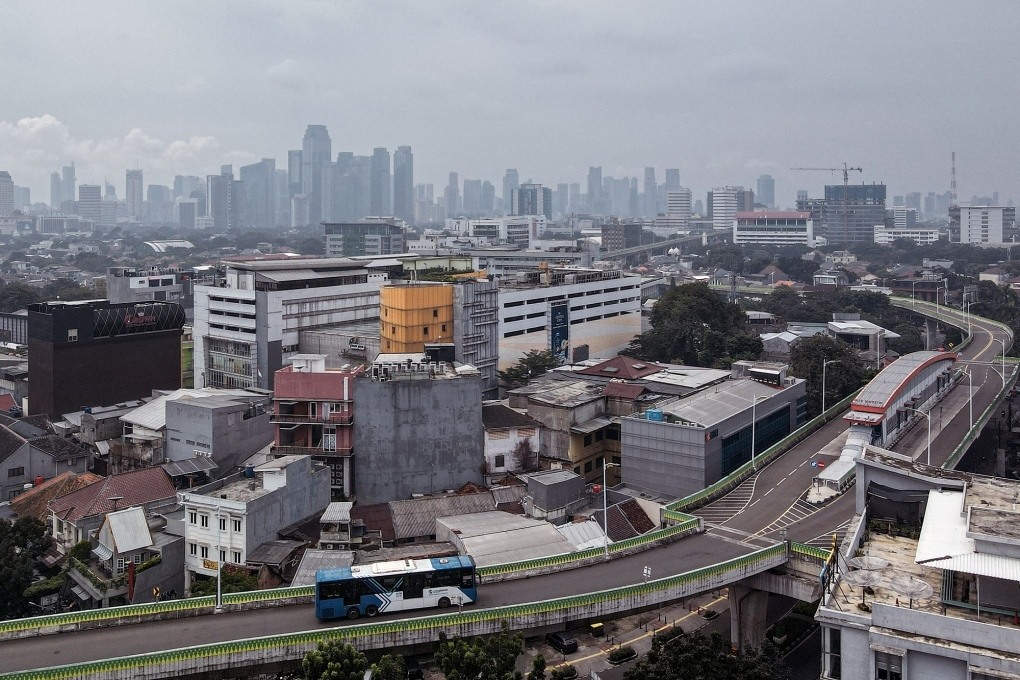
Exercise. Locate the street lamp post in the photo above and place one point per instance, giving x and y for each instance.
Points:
(824, 364)
(928, 416)
(1003, 343)
(912, 284)
(966, 306)
(605, 505)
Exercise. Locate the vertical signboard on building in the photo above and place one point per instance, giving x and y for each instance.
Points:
(559, 329)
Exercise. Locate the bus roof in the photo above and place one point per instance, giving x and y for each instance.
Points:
(374, 569)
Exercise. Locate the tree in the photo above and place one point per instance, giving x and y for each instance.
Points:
(537, 671)
(334, 660)
(232, 580)
(21, 544)
(312, 246)
(806, 360)
(692, 325)
(534, 363)
(17, 295)
(677, 654)
(388, 668)
(483, 658)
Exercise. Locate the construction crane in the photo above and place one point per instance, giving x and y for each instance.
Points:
(846, 170)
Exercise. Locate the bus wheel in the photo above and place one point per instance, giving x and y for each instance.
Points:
(371, 610)
(444, 602)
(353, 613)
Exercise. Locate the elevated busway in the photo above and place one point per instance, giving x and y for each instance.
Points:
(105, 651)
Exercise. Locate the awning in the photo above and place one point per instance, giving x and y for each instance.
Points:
(80, 592)
(102, 552)
(590, 425)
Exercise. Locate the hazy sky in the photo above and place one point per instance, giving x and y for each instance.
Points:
(724, 91)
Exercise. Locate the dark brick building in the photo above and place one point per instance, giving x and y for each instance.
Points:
(95, 352)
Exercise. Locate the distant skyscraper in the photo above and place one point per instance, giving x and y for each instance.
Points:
(488, 198)
(403, 184)
(224, 201)
(472, 197)
(22, 198)
(596, 195)
(381, 200)
(68, 183)
(672, 179)
(56, 190)
(134, 193)
(6, 193)
(511, 182)
(562, 198)
(650, 196)
(453, 196)
(723, 204)
(678, 203)
(258, 185)
(90, 202)
(575, 197)
(294, 172)
(767, 191)
(532, 199)
(316, 150)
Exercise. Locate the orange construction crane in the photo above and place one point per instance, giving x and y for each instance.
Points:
(846, 170)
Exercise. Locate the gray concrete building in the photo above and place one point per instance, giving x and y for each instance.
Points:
(228, 429)
(141, 284)
(682, 446)
(476, 329)
(416, 431)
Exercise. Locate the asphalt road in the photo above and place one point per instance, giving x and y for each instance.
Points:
(753, 515)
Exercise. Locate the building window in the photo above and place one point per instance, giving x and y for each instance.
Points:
(138, 558)
(587, 467)
(120, 565)
(223, 556)
(587, 440)
(500, 461)
(425, 331)
(205, 551)
(16, 472)
(888, 666)
(830, 654)
(204, 521)
(236, 555)
(577, 470)
(443, 328)
(435, 313)
(223, 524)
(72, 335)
(193, 548)
(192, 517)
(237, 526)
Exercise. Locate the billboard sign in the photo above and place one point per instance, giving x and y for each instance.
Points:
(559, 329)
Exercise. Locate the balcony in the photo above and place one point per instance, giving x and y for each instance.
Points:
(306, 419)
(317, 451)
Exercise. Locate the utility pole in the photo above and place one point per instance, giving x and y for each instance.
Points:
(846, 170)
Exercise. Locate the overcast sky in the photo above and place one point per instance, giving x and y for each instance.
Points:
(725, 91)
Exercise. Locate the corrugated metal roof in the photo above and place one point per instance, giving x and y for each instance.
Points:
(129, 529)
(888, 382)
(944, 544)
(590, 425)
(417, 517)
(189, 466)
(497, 537)
(583, 535)
(337, 512)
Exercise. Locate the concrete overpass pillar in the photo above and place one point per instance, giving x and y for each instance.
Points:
(747, 616)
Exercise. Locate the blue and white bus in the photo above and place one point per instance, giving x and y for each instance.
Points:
(367, 589)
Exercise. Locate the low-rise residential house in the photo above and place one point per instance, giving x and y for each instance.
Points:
(74, 517)
(512, 440)
(132, 561)
(29, 455)
(35, 502)
(228, 519)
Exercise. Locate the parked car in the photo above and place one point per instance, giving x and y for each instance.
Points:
(562, 642)
(412, 669)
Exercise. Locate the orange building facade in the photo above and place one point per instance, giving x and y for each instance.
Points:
(413, 314)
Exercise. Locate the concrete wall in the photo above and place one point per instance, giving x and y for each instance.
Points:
(221, 430)
(306, 493)
(663, 457)
(416, 436)
(168, 574)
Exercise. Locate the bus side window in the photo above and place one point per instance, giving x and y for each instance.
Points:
(447, 578)
(467, 579)
(330, 591)
(388, 583)
(430, 581)
(413, 586)
(350, 592)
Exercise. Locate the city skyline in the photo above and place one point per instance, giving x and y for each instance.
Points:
(620, 87)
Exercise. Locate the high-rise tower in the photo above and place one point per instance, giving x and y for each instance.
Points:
(380, 202)
(134, 193)
(403, 184)
(316, 150)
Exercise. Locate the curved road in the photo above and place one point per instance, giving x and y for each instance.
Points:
(750, 517)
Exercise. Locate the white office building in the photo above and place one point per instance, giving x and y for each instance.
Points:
(518, 230)
(777, 228)
(985, 223)
(724, 206)
(248, 325)
(603, 312)
(922, 236)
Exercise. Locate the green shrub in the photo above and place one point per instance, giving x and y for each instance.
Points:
(621, 654)
(80, 551)
(46, 587)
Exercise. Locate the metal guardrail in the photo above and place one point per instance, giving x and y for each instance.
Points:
(297, 643)
(673, 512)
